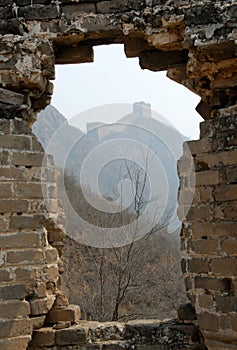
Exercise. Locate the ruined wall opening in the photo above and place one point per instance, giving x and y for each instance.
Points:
(112, 85)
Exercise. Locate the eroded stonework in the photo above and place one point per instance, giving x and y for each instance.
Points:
(195, 42)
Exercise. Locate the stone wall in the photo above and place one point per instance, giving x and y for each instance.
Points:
(195, 42)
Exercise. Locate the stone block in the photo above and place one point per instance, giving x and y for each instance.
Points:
(15, 142)
(226, 304)
(15, 291)
(216, 160)
(13, 206)
(51, 273)
(27, 159)
(75, 54)
(22, 240)
(204, 246)
(205, 301)
(37, 322)
(71, 313)
(224, 266)
(70, 336)
(134, 46)
(207, 178)
(214, 229)
(51, 255)
(28, 190)
(27, 222)
(41, 306)
(157, 60)
(213, 284)
(15, 343)
(200, 212)
(5, 126)
(72, 11)
(229, 246)
(234, 322)
(29, 256)
(3, 224)
(4, 276)
(6, 190)
(197, 265)
(199, 146)
(39, 12)
(14, 309)
(43, 337)
(13, 328)
(225, 193)
(25, 274)
(208, 321)
(231, 175)
(11, 97)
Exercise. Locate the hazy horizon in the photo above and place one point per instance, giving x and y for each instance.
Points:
(115, 79)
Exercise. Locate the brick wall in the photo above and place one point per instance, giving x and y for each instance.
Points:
(196, 43)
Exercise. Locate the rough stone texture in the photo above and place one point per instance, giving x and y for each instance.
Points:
(210, 257)
(144, 335)
(196, 42)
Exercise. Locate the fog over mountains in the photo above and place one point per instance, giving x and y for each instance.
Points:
(109, 156)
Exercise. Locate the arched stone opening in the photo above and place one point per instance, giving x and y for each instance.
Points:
(199, 52)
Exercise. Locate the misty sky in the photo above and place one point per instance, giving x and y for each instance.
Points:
(113, 78)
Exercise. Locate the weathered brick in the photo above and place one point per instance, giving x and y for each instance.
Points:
(215, 229)
(6, 190)
(198, 265)
(51, 255)
(22, 239)
(3, 223)
(16, 291)
(41, 306)
(15, 343)
(229, 246)
(28, 190)
(5, 125)
(13, 206)
(206, 194)
(234, 322)
(25, 274)
(20, 127)
(27, 159)
(225, 193)
(208, 321)
(51, 272)
(226, 303)
(72, 11)
(14, 309)
(15, 142)
(29, 256)
(216, 160)
(214, 284)
(199, 146)
(35, 12)
(27, 222)
(224, 266)
(4, 276)
(231, 175)
(208, 177)
(205, 301)
(4, 157)
(200, 212)
(70, 336)
(204, 246)
(13, 328)
(43, 337)
(71, 313)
